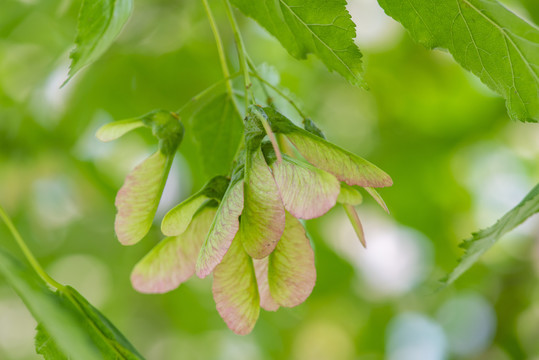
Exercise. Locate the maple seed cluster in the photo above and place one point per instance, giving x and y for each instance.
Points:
(243, 229)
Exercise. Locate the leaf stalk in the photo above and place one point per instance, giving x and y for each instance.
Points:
(242, 52)
(279, 92)
(27, 253)
(221, 52)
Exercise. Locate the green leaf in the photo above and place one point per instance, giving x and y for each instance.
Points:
(484, 239)
(46, 346)
(532, 6)
(311, 127)
(61, 321)
(110, 341)
(100, 22)
(217, 129)
(320, 27)
(483, 37)
(69, 326)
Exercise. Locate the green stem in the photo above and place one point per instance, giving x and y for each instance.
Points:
(27, 253)
(207, 91)
(262, 85)
(244, 68)
(41, 272)
(271, 136)
(221, 52)
(113, 344)
(281, 94)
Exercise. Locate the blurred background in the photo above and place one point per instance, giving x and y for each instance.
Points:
(457, 161)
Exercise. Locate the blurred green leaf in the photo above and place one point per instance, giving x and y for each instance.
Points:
(48, 309)
(217, 130)
(116, 129)
(532, 6)
(46, 346)
(485, 38)
(484, 239)
(100, 22)
(106, 336)
(320, 27)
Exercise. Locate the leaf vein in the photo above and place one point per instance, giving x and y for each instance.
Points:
(318, 38)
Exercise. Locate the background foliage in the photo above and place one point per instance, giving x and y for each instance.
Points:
(457, 160)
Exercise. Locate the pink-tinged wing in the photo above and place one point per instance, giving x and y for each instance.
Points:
(261, 270)
(138, 198)
(222, 231)
(356, 223)
(262, 220)
(291, 271)
(178, 218)
(378, 198)
(116, 129)
(235, 291)
(172, 261)
(346, 166)
(306, 192)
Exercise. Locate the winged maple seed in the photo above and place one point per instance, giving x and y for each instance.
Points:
(245, 229)
(139, 196)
